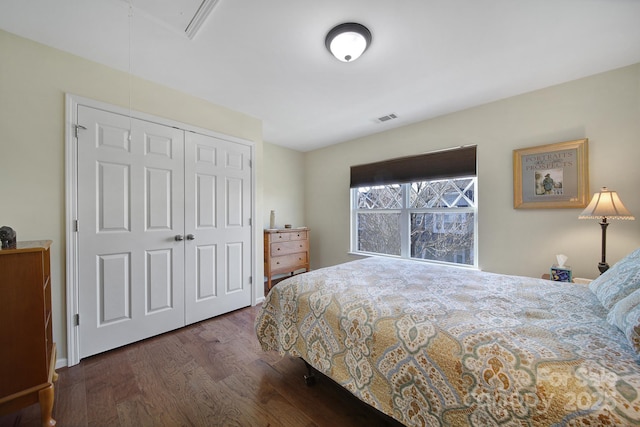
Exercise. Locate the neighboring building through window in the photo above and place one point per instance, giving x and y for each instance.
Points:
(426, 219)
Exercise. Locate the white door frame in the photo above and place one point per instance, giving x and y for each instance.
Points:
(71, 204)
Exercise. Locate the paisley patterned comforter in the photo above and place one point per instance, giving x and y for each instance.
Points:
(436, 345)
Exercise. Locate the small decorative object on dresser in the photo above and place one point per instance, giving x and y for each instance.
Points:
(272, 220)
(28, 356)
(285, 251)
(7, 237)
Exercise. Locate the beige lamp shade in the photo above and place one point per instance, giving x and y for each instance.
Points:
(606, 204)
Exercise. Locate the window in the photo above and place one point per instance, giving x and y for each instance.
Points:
(426, 219)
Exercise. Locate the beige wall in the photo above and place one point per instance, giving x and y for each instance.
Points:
(33, 83)
(283, 186)
(312, 188)
(604, 108)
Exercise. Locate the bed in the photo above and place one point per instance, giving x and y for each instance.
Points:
(433, 345)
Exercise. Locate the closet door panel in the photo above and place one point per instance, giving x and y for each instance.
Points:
(130, 208)
(217, 193)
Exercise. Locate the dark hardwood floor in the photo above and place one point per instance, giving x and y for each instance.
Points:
(212, 373)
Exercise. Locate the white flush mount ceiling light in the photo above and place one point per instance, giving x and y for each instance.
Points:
(348, 41)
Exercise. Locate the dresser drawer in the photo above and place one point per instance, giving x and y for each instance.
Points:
(290, 247)
(279, 237)
(288, 263)
(298, 235)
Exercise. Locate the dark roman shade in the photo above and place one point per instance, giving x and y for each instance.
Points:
(454, 163)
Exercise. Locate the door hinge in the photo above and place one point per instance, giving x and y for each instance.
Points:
(250, 280)
(76, 319)
(75, 225)
(76, 128)
(250, 163)
(249, 221)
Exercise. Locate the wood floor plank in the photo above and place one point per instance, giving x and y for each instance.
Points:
(72, 409)
(294, 391)
(135, 412)
(117, 382)
(212, 373)
(259, 394)
(158, 368)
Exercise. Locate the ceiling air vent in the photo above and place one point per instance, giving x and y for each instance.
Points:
(386, 118)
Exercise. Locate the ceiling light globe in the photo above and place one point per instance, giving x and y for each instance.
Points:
(348, 41)
(348, 46)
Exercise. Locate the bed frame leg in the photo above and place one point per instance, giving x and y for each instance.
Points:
(310, 378)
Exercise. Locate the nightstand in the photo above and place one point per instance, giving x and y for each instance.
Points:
(576, 280)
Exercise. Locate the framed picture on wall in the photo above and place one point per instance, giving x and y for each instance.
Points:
(551, 176)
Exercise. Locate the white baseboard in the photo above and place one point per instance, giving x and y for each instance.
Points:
(61, 363)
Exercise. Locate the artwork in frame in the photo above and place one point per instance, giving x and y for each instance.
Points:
(551, 176)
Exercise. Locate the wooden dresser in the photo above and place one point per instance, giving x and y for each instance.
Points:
(286, 250)
(27, 350)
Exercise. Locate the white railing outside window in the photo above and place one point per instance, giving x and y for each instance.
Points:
(427, 220)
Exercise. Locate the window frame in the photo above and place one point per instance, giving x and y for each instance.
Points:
(405, 221)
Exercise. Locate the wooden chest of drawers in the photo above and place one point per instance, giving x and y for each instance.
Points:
(27, 350)
(285, 251)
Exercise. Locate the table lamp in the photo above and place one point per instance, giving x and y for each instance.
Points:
(603, 205)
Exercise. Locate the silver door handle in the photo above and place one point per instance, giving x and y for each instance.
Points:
(191, 237)
(179, 238)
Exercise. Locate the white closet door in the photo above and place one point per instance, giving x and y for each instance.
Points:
(130, 208)
(217, 219)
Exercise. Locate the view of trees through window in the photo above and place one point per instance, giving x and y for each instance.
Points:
(430, 220)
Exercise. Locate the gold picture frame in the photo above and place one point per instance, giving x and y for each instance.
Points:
(551, 176)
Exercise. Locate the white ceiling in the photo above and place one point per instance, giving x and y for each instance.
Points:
(267, 58)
